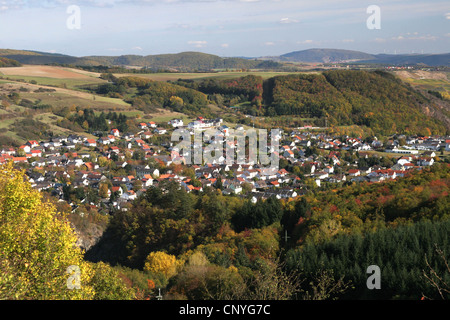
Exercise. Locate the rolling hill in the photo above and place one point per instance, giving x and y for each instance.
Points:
(348, 56)
(198, 61)
(184, 61)
(326, 56)
(377, 100)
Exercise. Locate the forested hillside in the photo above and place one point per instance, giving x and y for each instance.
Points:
(147, 95)
(5, 62)
(184, 61)
(340, 232)
(229, 91)
(377, 100)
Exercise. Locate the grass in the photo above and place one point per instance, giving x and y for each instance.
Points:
(430, 84)
(7, 122)
(166, 116)
(58, 99)
(73, 84)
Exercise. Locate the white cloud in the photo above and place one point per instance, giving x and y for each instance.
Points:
(447, 16)
(415, 36)
(225, 45)
(305, 42)
(269, 43)
(288, 21)
(198, 44)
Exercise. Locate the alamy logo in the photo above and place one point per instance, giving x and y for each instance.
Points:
(74, 20)
(73, 281)
(374, 20)
(213, 146)
(374, 281)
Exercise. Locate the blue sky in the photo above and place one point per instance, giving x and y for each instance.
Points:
(251, 28)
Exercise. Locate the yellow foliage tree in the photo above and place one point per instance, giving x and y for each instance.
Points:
(38, 256)
(161, 262)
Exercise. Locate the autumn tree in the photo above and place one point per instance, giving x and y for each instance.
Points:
(39, 259)
(161, 262)
(36, 245)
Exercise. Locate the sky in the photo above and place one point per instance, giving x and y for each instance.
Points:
(250, 28)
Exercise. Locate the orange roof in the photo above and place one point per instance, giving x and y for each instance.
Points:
(89, 165)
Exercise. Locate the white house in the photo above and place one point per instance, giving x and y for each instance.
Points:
(404, 160)
(354, 172)
(129, 195)
(90, 143)
(26, 148)
(104, 140)
(115, 132)
(160, 131)
(176, 123)
(425, 161)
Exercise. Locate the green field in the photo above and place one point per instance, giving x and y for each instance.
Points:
(436, 81)
(59, 99)
(430, 84)
(74, 84)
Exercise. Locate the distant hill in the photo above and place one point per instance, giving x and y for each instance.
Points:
(36, 57)
(198, 61)
(338, 55)
(326, 55)
(184, 61)
(413, 59)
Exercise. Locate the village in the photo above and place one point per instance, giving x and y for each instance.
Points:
(108, 173)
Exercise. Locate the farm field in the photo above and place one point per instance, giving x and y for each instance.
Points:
(426, 80)
(52, 76)
(60, 97)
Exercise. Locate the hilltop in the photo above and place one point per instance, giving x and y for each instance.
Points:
(351, 56)
(200, 62)
(184, 61)
(326, 55)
